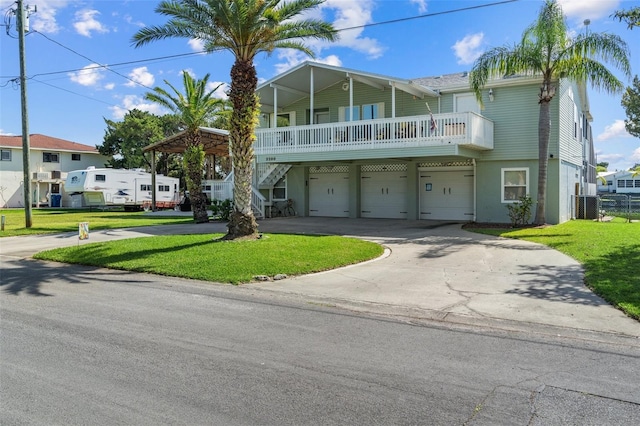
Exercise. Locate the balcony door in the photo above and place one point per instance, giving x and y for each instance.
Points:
(465, 102)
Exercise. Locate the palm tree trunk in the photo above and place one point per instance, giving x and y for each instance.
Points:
(544, 132)
(244, 118)
(194, 161)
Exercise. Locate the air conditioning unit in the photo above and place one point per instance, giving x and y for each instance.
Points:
(40, 175)
(56, 174)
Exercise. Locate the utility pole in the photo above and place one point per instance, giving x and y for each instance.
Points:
(22, 29)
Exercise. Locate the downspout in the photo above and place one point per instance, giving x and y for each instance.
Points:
(475, 187)
(350, 98)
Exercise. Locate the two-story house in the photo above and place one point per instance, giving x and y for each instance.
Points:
(347, 143)
(49, 161)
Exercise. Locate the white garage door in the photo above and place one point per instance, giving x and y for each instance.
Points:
(383, 192)
(446, 195)
(329, 194)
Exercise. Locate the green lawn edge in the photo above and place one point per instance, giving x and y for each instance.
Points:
(206, 257)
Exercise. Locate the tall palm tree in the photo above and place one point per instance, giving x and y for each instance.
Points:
(245, 28)
(547, 50)
(195, 108)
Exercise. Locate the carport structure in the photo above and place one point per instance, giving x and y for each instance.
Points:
(215, 142)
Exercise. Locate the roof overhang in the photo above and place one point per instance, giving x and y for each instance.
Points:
(214, 142)
(295, 84)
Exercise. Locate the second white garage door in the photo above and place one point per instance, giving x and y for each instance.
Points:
(383, 192)
(446, 195)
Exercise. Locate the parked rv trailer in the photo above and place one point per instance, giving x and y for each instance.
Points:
(120, 187)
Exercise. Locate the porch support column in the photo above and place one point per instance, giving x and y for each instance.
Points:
(311, 92)
(153, 180)
(275, 108)
(350, 98)
(393, 100)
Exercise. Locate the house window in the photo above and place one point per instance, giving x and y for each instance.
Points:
(75, 157)
(515, 184)
(361, 112)
(163, 188)
(50, 157)
(280, 189)
(101, 178)
(5, 155)
(145, 187)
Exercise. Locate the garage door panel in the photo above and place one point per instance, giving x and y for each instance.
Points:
(329, 194)
(383, 195)
(446, 195)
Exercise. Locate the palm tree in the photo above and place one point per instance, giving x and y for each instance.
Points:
(245, 28)
(547, 50)
(195, 108)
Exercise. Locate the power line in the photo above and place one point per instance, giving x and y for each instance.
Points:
(180, 55)
(91, 60)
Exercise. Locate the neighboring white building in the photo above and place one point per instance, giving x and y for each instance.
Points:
(50, 160)
(623, 182)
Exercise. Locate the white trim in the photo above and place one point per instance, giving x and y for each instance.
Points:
(502, 183)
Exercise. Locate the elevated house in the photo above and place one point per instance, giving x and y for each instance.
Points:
(347, 143)
(49, 161)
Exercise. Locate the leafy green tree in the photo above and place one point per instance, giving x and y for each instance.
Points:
(244, 28)
(631, 104)
(195, 108)
(547, 50)
(602, 167)
(125, 139)
(631, 17)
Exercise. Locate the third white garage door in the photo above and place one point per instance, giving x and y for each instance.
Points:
(383, 193)
(446, 195)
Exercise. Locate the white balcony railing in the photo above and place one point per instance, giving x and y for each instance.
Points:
(466, 129)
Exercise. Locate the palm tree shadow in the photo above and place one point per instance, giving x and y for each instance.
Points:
(29, 277)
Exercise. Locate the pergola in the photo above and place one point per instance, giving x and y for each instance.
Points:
(215, 142)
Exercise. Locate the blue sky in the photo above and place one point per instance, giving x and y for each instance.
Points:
(69, 98)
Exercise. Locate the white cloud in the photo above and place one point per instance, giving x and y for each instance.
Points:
(293, 57)
(45, 20)
(591, 9)
(140, 76)
(353, 14)
(129, 20)
(130, 102)
(197, 45)
(636, 155)
(612, 131)
(86, 23)
(422, 5)
(188, 71)
(469, 48)
(3, 133)
(109, 86)
(221, 91)
(88, 76)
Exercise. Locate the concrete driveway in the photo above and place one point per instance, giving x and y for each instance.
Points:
(430, 270)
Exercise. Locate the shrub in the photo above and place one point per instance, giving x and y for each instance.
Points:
(221, 209)
(520, 211)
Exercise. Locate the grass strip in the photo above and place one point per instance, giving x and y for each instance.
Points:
(55, 221)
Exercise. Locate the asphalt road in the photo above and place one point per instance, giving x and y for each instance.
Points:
(100, 347)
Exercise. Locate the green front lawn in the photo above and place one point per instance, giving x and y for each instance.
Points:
(54, 221)
(205, 257)
(609, 252)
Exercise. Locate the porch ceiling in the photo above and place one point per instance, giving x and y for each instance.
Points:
(295, 84)
(214, 142)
